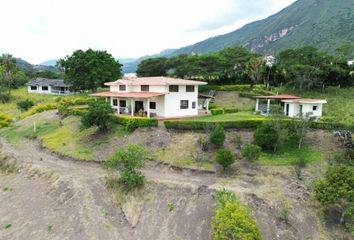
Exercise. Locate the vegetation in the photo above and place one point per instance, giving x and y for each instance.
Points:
(225, 157)
(89, 70)
(98, 114)
(266, 136)
(217, 136)
(25, 104)
(128, 161)
(336, 189)
(233, 220)
(251, 152)
(5, 120)
(299, 164)
(238, 141)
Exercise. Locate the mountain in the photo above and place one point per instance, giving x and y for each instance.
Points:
(51, 62)
(30, 67)
(325, 24)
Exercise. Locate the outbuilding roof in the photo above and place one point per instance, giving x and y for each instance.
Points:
(48, 82)
(158, 81)
(305, 100)
(278, 97)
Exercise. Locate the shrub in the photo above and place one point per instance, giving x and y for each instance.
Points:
(41, 108)
(4, 97)
(336, 189)
(5, 120)
(251, 152)
(131, 123)
(224, 157)
(217, 111)
(203, 125)
(299, 164)
(25, 105)
(238, 141)
(217, 136)
(233, 220)
(204, 143)
(98, 114)
(231, 110)
(266, 136)
(128, 161)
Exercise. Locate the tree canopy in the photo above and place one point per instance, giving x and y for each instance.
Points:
(88, 70)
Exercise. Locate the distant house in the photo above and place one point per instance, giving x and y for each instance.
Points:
(48, 86)
(153, 96)
(293, 106)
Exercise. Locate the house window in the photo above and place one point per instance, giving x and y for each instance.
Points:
(173, 88)
(314, 108)
(189, 88)
(34, 88)
(115, 102)
(44, 88)
(122, 88)
(123, 103)
(144, 88)
(193, 105)
(184, 104)
(152, 105)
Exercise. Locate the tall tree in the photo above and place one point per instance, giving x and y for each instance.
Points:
(7, 69)
(255, 69)
(152, 67)
(88, 70)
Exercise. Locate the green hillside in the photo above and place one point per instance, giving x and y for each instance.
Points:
(325, 24)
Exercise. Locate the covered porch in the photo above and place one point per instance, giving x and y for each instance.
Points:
(142, 104)
(263, 103)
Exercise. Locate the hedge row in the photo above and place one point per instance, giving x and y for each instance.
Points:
(132, 123)
(245, 123)
(255, 92)
(218, 111)
(41, 108)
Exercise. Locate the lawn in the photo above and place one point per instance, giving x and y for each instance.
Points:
(228, 117)
(232, 99)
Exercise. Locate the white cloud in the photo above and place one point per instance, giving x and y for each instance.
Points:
(38, 30)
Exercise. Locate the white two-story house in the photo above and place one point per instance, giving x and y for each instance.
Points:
(153, 96)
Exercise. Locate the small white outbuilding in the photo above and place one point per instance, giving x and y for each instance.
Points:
(294, 107)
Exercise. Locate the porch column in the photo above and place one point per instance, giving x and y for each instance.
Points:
(118, 106)
(132, 107)
(268, 106)
(148, 108)
(257, 105)
(207, 105)
(106, 99)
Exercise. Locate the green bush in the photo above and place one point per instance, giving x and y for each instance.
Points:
(217, 111)
(299, 164)
(41, 108)
(98, 114)
(233, 221)
(251, 152)
(225, 157)
(238, 141)
(25, 105)
(231, 110)
(204, 125)
(131, 123)
(266, 136)
(128, 161)
(217, 136)
(5, 120)
(243, 87)
(204, 143)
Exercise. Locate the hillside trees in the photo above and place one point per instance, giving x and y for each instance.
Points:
(7, 71)
(255, 70)
(98, 114)
(152, 67)
(88, 70)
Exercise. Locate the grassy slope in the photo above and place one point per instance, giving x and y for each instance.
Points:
(232, 99)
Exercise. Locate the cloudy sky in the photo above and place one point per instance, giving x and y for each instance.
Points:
(39, 30)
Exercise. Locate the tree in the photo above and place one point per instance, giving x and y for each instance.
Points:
(88, 70)
(233, 221)
(98, 114)
(336, 189)
(217, 136)
(266, 136)
(255, 69)
(299, 128)
(152, 67)
(224, 157)
(25, 105)
(7, 70)
(299, 164)
(128, 161)
(251, 152)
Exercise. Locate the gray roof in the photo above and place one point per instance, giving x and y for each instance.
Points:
(48, 82)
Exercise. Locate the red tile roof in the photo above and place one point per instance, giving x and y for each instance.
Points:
(306, 100)
(154, 81)
(278, 97)
(128, 94)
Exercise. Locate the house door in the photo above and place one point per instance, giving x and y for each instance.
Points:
(287, 109)
(139, 105)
